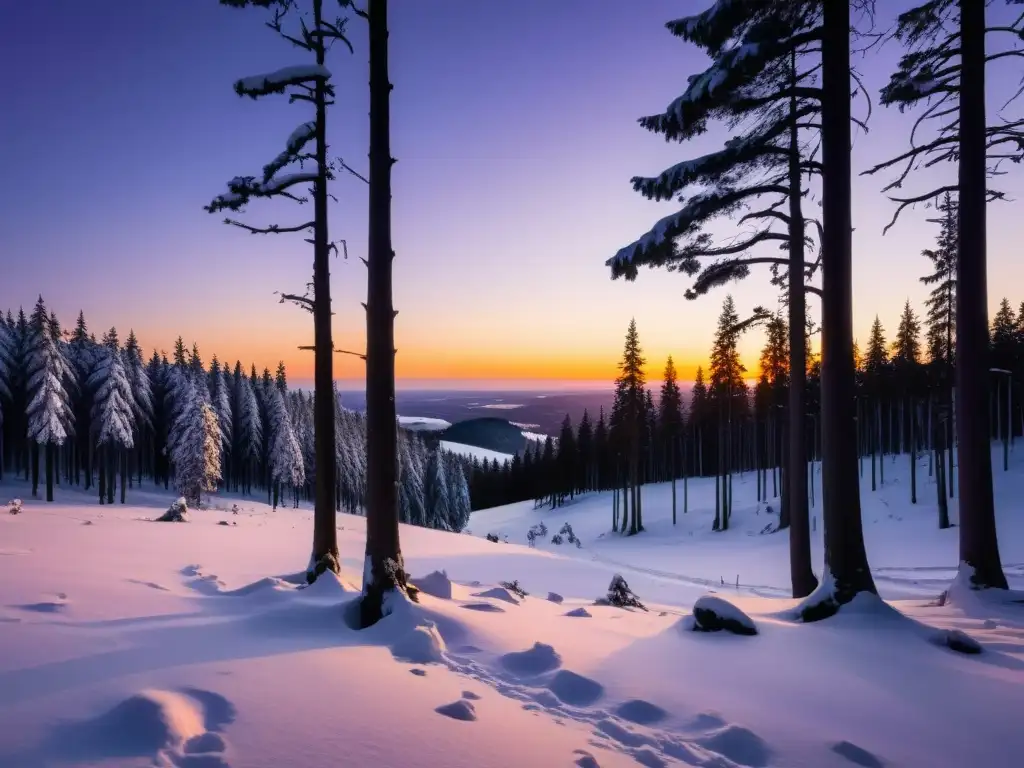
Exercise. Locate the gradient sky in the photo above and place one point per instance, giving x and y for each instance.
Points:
(514, 124)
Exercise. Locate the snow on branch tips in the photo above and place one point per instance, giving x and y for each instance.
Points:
(242, 189)
(280, 80)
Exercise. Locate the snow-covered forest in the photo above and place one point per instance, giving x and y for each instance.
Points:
(96, 413)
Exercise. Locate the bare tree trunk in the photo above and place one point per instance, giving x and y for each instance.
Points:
(385, 568)
(802, 577)
(325, 534)
(979, 544)
(845, 555)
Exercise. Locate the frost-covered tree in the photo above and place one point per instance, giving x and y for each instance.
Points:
(113, 416)
(309, 83)
(142, 398)
(249, 437)
(6, 347)
(458, 493)
(439, 506)
(50, 420)
(195, 444)
(220, 395)
(286, 466)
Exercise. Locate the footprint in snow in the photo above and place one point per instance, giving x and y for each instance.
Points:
(537, 660)
(575, 690)
(458, 710)
(483, 607)
(857, 755)
(640, 712)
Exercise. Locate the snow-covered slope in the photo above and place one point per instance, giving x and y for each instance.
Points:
(125, 642)
(423, 423)
(475, 451)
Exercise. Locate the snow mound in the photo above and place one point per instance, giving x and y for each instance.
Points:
(857, 755)
(537, 660)
(640, 712)
(586, 760)
(711, 614)
(164, 725)
(330, 585)
(575, 690)
(471, 696)
(435, 583)
(554, 597)
(458, 710)
(422, 644)
(578, 613)
(498, 593)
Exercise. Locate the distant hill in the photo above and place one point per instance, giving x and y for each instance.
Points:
(492, 433)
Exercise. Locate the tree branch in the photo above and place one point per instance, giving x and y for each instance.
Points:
(273, 229)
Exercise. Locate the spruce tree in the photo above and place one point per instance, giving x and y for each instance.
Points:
(194, 443)
(670, 414)
(629, 389)
(113, 415)
(1004, 337)
(50, 419)
(567, 461)
(141, 397)
(583, 480)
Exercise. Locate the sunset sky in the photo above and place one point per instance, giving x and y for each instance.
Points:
(514, 125)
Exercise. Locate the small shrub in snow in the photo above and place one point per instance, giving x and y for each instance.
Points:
(570, 536)
(514, 588)
(14, 506)
(620, 595)
(176, 513)
(539, 531)
(556, 539)
(493, 537)
(712, 614)
(234, 509)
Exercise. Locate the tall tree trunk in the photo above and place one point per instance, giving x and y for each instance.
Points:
(801, 573)
(325, 534)
(979, 544)
(34, 460)
(125, 474)
(384, 571)
(845, 557)
(672, 459)
(103, 474)
(913, 454)
(50, 461)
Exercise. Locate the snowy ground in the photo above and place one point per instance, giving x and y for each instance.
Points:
(423, 423)
(127, 643)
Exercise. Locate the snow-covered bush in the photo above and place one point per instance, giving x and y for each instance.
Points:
(570, 536)
(493, 537)
(14, 506)
(556, 539)
(514, 588)
(176, 513)
(620, 595)
(711, 614)
(538, 531)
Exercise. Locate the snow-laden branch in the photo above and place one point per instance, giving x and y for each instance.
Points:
(298, 139)
(280, 80)
(657, 246)
(242, 189)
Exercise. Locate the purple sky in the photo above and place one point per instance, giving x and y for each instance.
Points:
(514, 124)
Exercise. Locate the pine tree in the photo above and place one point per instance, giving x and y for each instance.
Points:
(142, 396)
(670, 413)
(1004, 337)
(309, 83)
(438, 501)
(567, 461)
(941, 302)
(906, 351)
(627, 419)
(585, 455)
(113, 416)
(195, 444)
(50, 419)
(286, 466)
(876, 358)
